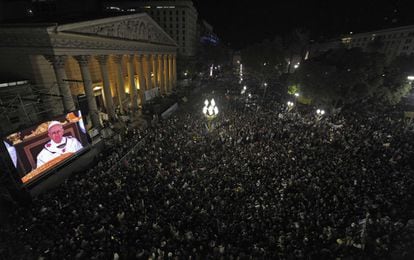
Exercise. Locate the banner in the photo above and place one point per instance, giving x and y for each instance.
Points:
(150, 94)
(169, 111)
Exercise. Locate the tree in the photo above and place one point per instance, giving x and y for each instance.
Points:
(294, 45)
(265, 58)
(396, 84)
(341, 76)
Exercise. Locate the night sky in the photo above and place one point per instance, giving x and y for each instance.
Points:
(240, 23)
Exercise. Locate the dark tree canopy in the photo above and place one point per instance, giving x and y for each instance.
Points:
(351, 75)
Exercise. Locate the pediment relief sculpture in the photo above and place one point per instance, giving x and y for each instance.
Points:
(132, 29)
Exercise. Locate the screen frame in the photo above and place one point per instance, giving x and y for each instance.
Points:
(69, 127)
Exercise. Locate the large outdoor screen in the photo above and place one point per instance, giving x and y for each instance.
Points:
(41, 148)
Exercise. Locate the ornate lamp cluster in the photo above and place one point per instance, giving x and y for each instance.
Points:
(210, 110)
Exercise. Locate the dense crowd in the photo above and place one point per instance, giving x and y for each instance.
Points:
(265, 182)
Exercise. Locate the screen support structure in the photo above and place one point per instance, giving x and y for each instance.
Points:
(12, 192)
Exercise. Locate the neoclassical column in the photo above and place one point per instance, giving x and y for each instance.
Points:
(120, 81)
(160, 75)
(141, 77)
(132, 88)
(147, 70)
(165, 73)
(174, 71)
(58, 63)
(170, 73)
(83, 61)
(154, 64)
(103, 64)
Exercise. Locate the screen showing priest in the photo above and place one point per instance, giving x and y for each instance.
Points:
(58, 144)
(43, 147)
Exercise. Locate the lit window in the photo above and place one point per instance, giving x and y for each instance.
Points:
(114, 8)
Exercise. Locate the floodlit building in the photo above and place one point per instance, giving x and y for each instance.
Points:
(92, 65)
(392, 42)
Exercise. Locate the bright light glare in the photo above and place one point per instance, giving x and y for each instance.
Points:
(210, 110)
(410, 77)
(320, 111)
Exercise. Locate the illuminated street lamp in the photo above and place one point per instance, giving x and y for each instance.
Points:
(243, 90)
(410, 77)
(290, 105)
(210, 111)
(296, 97)
(319, 113)
(241, 70)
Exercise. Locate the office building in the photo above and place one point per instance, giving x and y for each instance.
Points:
(177, 18)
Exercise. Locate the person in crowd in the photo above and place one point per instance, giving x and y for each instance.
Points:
(266, 183)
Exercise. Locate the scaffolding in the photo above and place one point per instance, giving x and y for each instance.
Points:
(24, 104)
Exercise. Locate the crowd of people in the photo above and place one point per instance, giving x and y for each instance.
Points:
(264, 182)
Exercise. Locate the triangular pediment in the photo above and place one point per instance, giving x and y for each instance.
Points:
(137, 27)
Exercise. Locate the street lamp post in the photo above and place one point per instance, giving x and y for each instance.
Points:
(296, 97)
(264, 91)
(319, 114)
(210, 111)
(290, 105)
